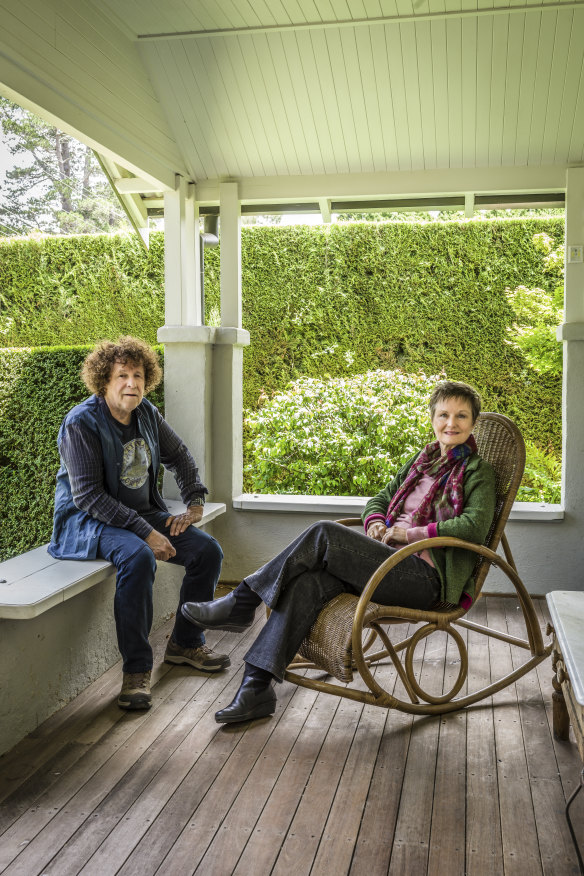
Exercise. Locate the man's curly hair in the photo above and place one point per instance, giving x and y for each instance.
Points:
(98, 365)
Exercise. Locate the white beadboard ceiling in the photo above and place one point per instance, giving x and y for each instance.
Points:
(313, 102)
(258, 89)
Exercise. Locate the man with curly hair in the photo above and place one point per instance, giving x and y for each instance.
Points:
(107, 505)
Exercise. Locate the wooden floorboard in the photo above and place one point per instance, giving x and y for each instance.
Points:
(555, 845)
(292, 747)
(518, 828)
(484, 847)
(326, 786)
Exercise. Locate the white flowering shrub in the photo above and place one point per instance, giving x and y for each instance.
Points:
(339, 436)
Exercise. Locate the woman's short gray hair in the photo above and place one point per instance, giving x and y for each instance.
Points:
(455, 389)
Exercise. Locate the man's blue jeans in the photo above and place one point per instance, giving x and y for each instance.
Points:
(325, 560)
(198, 552)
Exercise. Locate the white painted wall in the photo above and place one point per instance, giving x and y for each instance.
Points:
(47, 660)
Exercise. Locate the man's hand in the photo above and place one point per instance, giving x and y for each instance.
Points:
(161, 547)
(182, 521)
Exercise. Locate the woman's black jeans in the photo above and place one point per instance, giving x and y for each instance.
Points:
(325, 560)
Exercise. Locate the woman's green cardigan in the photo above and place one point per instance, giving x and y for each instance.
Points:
(454, 565)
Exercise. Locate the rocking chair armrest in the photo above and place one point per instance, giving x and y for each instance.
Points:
(350, 521)
(414, 548)
(437, 542)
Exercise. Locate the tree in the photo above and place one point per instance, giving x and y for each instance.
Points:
(57, 185)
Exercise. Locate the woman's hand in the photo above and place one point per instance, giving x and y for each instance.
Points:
(182, 521)
(376, 530)
(395, 535)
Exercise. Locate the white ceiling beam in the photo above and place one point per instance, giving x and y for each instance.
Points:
(138, 213)
(360, 22)
(134, 185)
(396, 184)
(131, 203)
(85, 128)
(325, 210)
(153, 203)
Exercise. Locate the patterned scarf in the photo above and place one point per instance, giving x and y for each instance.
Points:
(445, 498)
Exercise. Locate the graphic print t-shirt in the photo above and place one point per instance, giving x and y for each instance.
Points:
(134, 491)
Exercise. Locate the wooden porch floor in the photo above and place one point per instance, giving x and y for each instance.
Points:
(325, 787)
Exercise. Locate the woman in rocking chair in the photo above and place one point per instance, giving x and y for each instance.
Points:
(446, 489)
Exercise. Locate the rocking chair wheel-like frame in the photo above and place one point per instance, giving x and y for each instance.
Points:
(341, 640)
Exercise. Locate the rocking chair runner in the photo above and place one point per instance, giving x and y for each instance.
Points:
(341, 640)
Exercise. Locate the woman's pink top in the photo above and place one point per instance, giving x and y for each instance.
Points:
(417, 533)
(404, 521)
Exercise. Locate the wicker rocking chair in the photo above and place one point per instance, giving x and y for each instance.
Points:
(341, 640)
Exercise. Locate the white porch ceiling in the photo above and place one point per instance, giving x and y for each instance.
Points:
(265, 89)
(308, 101)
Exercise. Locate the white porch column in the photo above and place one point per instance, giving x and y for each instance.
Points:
(568, 550)
(188, 343)
(182, 281)
(230, 229)
(572, 334)
(230, 339)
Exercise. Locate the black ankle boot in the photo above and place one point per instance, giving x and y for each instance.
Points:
(234, 612)
(245, 597)
(255, 698)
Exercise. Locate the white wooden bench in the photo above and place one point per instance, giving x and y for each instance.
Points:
(33, 582)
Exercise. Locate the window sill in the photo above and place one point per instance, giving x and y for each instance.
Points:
(352, 506)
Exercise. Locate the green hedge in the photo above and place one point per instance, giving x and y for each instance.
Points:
(77, 290)
(37, 388)
(331, 300)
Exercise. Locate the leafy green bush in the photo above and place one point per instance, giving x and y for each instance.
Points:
(343, 436)
(542, 480)
(349, 436)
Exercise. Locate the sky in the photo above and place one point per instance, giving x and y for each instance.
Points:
(5, 159)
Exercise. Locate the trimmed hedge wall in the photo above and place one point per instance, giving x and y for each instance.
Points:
(37, 388)
(79, 289)
(337, 300)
